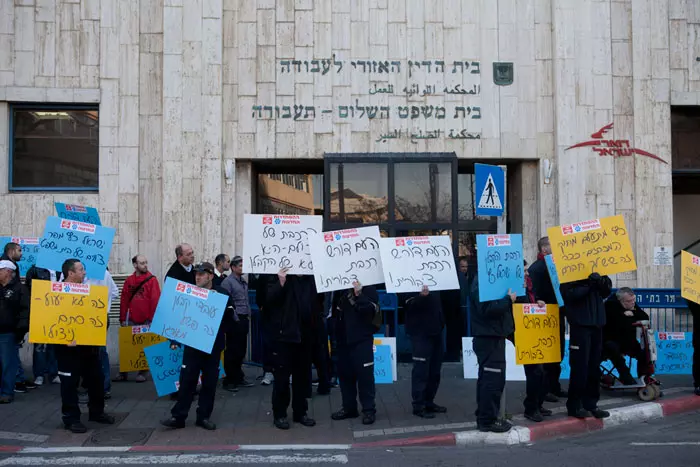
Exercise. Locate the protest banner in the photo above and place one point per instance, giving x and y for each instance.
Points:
(470, 363)
(409, 263)
(64, 239)
(500, 266)
(382, 364)
(132, 341)
(188, 314)
(599, 245)
(536, 334)
(674, 353)
(30, 249)
(391, 343)
(62, 313)
(344, 256)
(76, 212)
(690, 277)
(273, 242)
(554, 277)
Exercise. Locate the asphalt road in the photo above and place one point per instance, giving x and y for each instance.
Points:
(670, 442)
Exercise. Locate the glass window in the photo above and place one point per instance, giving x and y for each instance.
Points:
(54, 148)
(292, 194)
(465, 195)
(359, 193)
(423, 192)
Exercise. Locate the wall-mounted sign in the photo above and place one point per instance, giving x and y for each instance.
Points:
(612, 147)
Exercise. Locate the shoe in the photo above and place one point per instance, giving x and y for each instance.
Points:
(697, 391)
(108, 395)
(5, 400)
(423, 413)
(20, 388)
(434, 408)
(368, 418)
(580, 414)
(268, 379)
(499, 426)
(534, 416)
(229, 387)
(546, 412)
(102, 418)
(39, 380)
(29, 385)
(76, 427)
(244, 384)
(56, 380)
(600, 413)
(206, 424)
(173, 422)
(343, 414)
(140, 379)
(305, 420)
(551, 397)
(282, 423)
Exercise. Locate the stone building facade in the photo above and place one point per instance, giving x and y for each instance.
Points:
(195, 96)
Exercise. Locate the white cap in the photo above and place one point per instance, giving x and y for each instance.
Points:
(5, 264)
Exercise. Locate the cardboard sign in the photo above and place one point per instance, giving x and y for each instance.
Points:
(554, 278)
(674, 353)
(599, 245)
(409, 263)
(382, 364)
(536, 334)
(62, 312)
(272, 242)
(471, 363)
(132, 341)
(344, 256)
(64, 239)
(391, 343)
(500, 266)
(76, 212)
(30, 250)
(189, 314)
(690, 277)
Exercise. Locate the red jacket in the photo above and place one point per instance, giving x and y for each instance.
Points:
(142, 306)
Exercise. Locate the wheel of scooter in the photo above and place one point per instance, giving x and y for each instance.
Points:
(647, 393)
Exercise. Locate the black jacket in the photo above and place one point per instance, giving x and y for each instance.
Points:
(176, 271)
(542, 283)
(490, 319)
(618, 327)
(353, 316)
(36, 273)
(218, 280)
(14, 309)
(293, 309)
(16, 278)
(226, 323)
(424, 316)
(584, 301)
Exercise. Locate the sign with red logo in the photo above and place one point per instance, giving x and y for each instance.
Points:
(267, 220)
(585, 226)
(327, 237)
(497, 240)
(192, 290)
(534, 309)
(25, 240)
(400, 242)
(78, 226)
(612, 147)
(671, 336)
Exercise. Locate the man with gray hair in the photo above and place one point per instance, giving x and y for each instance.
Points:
(620, 334)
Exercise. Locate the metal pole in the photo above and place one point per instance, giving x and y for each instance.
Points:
(501, 228)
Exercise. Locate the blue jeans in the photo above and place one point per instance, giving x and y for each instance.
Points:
(106, 371)
(20, 369)
(8, 364)
(45, 361)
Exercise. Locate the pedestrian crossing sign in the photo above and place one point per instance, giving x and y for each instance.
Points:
(489, 190)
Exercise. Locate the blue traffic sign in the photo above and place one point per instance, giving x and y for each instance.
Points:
(489, 191)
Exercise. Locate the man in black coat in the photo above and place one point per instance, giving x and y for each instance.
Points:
(353, 313)
(182, 268)
(14, 323)
(586, 314)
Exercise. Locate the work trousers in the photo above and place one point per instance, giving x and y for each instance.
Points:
(321, 358)
(356, 374)
(535, 388)
(75, 363)
(585, 348)
(427, 363)
(290, 359)
(236, 348)
(491, 355)
(195, 362)
(552, 371)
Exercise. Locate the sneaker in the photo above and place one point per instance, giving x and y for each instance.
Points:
(368, 418)
(56, 380)
(545, 412)
(20, 388)
(343, 414)
(305, 420)
(423, 413)
(580, 413)
(29, 385)
(39, 380)
(206, 424)
(434, 408)
(282, 423)
(534, 416)
(599, 413)
(499, 426)
(173, 423)
(268, 379)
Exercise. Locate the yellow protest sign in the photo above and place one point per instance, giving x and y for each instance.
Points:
(599, 245)
(132, 340)
(62, 312)
(690, 277)
(536, 334)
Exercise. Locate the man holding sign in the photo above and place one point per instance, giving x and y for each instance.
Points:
(14, 322)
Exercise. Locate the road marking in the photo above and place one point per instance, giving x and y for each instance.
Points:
(23, 436)
(65, 449)
(677, 443)
(184, 459)
(295, 447)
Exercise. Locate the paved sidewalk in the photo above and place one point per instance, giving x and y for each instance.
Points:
(244, 418)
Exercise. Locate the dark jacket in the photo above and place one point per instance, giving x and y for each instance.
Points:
(14, 309)
(226, 323)
(178, 272)
(490, 319)
(16, 278)
(584, 300)
(618, 327)
(424, 316)
(293, 309)
(36, 273)
(353, 316)
(218, 280)
(541, 282)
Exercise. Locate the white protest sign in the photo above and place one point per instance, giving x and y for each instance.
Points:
(514, 372)
(273, 242)
(344, 256)
(409, 263)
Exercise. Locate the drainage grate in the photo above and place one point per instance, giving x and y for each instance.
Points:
(116, 437)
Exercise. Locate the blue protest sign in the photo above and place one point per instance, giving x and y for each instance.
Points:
(500, 266)
(30, 249)
(554, 277)
(76, 212)
(188, 314)
(382, 365)
(674, 353)
(489, 190)
(65, 239)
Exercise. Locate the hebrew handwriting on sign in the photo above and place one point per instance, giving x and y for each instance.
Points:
(325, 66)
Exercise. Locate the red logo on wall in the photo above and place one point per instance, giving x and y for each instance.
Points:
(612, 147)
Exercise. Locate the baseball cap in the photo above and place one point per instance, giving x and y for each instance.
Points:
(5, 264)
(237, 259)
(204, 267)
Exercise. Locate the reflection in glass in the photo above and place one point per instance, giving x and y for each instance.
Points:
(359, 193)
(423, 192)
(290, 194)
(465, 196)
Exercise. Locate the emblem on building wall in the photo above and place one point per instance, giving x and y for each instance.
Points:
(503, 73)
(612, 147)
